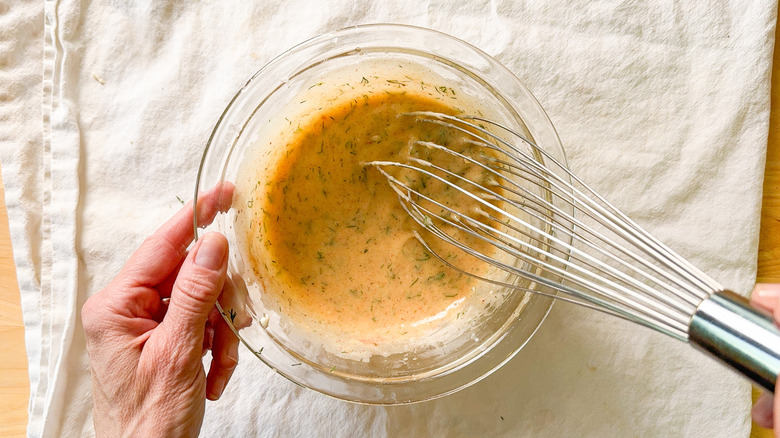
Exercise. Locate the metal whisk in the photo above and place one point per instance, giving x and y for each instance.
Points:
(523, 206)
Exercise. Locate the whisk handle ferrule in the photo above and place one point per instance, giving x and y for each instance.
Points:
(744, 338)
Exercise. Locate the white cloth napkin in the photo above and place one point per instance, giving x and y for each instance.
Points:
(662, 106)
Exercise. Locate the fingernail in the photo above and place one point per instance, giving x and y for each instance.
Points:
(232, 352)
(211, 253)
(767, 290)
(218, 388)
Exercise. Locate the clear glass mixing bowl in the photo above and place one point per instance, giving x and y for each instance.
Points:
(415, 375)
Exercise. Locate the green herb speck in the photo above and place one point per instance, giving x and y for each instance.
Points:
(436, 277)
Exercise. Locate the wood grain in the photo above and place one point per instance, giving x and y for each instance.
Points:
(14, 382)
(769, 239)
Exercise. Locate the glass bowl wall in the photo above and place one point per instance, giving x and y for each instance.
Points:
(263, 96)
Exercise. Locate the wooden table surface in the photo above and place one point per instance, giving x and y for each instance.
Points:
(769, 239)
(14, 385)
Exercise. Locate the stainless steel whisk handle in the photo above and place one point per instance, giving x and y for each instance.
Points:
(744, 338)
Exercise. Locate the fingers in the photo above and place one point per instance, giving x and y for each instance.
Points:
(211, 322)
(200, 281)
(160, 255)
(766, 296)
(763, 413)
(224, 353)
(233, 302)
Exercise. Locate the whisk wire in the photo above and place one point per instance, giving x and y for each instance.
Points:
(658, 290)
(574, 225)
(573, 296)
(519, 219)
(612, 217)
(527, 195)
(584, 278)
(686, 268)
(614, 305)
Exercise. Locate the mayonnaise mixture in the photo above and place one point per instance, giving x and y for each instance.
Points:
(326, 235)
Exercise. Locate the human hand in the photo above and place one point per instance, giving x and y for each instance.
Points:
(766, 296)
(145, 355)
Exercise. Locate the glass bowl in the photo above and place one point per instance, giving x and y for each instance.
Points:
(401, 377)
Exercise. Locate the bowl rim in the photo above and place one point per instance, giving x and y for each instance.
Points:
(324, 38)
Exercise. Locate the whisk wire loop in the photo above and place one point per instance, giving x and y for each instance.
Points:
(565, 223)
(586, 199)
(659, 291)
(519, 219)
(602, 285)
(615, 217)
(572, 295)
(603, 273)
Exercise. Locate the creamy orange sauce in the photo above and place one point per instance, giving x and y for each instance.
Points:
(328, 236)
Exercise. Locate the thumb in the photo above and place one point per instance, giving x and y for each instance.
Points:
(196, 289)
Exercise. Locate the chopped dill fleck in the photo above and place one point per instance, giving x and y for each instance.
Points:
(296, 364)
(232, 314)
(415, 281)
(364, 81)
(333, 368)
(436, 277)
(179, 199)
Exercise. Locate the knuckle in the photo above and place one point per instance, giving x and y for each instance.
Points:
(162, 242)
(197, 290)
(196, 284)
